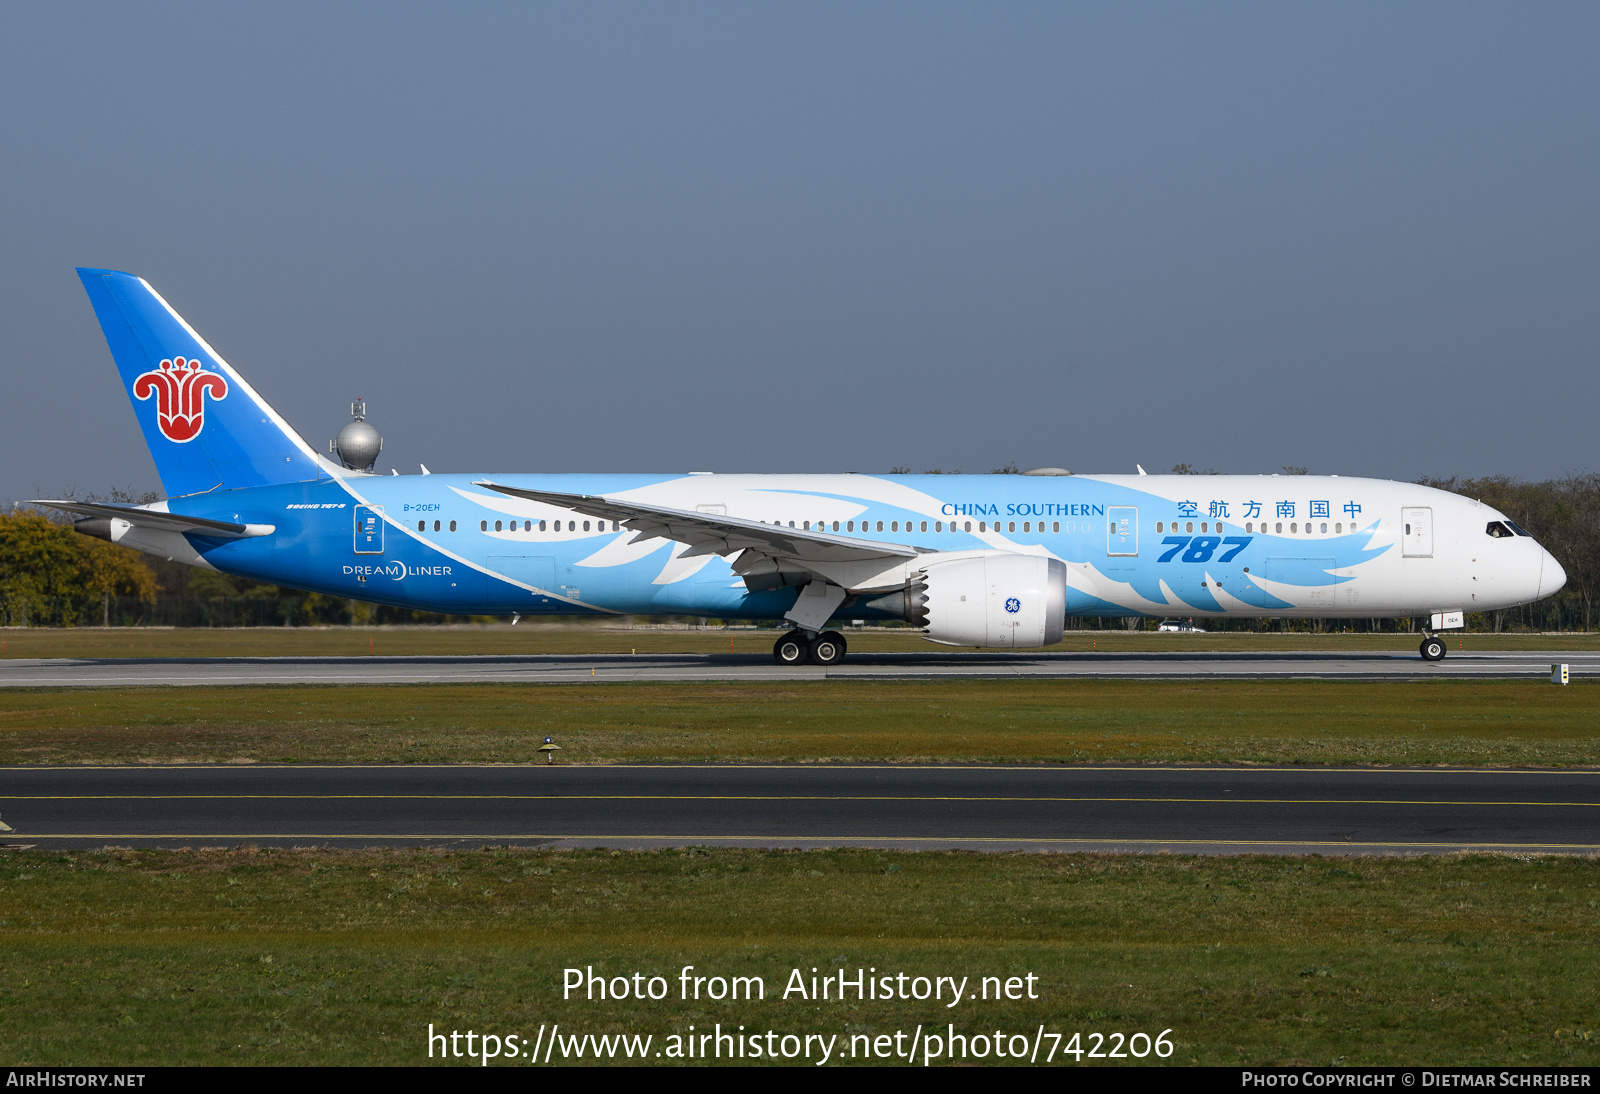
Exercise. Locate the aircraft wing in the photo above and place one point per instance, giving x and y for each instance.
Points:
(715, 534)
(166, 522)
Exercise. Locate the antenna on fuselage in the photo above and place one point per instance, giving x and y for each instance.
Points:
(357, 444)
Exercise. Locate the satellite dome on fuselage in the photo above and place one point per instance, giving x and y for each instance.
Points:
(359, 444)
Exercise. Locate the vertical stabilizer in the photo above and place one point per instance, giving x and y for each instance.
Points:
(206, 427)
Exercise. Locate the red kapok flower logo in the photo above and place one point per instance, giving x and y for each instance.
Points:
(180, 388)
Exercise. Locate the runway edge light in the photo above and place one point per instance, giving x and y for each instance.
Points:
(549, 748)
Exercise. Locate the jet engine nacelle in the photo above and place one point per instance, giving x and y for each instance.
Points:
(995, 599)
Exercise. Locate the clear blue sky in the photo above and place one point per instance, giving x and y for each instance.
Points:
(1360, 238)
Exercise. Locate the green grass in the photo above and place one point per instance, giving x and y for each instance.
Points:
(1290, 721)
(256, 956)
(316, 956)
(533, 638)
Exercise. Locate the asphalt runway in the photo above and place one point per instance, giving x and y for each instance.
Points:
(933, 664)
(1212, 810)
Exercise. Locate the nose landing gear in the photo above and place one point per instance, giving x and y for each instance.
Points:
(1433, 648)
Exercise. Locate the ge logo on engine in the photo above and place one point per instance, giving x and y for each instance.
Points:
(1013, 605)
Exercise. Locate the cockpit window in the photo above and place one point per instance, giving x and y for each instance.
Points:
(1519, 529)
(1498, 530)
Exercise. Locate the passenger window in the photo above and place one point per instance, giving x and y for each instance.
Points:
(1293, 527)
(880, 526)
(1338, 529)
(452, 526)
(435, 526)
(1249, 526)
(1278, 527)
(1055, 526)
(585, 526)
(1202, 526)
(1324, 529)
(497, 526)
(1011, 526)
(483, 526)
(422, 526)
(983, 526)
(807, 525)
(1219, 527)
(850, 526)
(572, 526)
(967, 527)
(543, 526)
(924, 526)
(1189, 527)
(894, 526)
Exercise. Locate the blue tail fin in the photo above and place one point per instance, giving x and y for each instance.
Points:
(205, 426)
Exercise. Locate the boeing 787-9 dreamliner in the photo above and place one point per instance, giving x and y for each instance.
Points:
(997, 561)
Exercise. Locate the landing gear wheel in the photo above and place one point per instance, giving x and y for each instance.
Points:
(791, 649)
(827, 649)
(837, 638)
(1433, 648)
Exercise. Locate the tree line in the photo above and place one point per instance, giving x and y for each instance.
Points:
(52, 576)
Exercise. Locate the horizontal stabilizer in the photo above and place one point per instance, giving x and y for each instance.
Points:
(165, 522)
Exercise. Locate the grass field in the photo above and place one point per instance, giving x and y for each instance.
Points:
(345, 957)
(1291, 721)
(533, 638)
(319, 956)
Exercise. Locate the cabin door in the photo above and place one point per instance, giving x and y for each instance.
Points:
(369, 529)
(1122, 531)
(1416, 530)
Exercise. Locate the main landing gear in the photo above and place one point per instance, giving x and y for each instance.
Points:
(1433, 648)
(827, 648)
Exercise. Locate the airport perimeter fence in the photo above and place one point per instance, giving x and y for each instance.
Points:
(296, 609)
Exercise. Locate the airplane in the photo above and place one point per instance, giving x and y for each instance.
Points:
(987, 561)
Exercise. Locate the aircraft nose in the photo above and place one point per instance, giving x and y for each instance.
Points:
(1551, 576)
